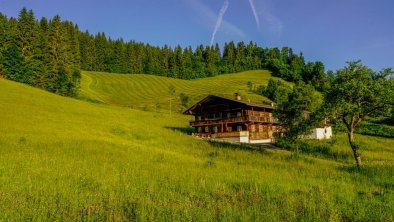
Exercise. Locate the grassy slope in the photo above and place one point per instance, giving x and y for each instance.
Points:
(64, 159)
(148, 91)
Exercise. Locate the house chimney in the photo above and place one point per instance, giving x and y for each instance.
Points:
(237, 96)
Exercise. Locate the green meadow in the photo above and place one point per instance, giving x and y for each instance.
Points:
(149, 92)
(104, 159)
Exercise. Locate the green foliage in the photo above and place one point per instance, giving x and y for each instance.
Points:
(14, 66)
(276, 90)
(357, 92)
(314, 73)
(40, 54)
(184, 99)
(297, 112)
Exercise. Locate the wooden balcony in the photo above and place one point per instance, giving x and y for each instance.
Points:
(231, 134)
(264, 119)
(222, 134)
(250, 135)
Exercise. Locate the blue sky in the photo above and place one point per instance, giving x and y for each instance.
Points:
(332, 31)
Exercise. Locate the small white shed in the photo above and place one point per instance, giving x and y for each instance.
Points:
(320, 133)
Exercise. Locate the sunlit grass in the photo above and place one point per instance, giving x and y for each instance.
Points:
(65, 159)
(150, 92)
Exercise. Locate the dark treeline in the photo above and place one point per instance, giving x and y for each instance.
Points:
(99, 53)
(43, 53)
(49, 54)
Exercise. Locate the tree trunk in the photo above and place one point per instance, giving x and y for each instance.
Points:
(354, 148)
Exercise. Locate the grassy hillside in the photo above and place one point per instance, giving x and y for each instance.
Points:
(65, 159)
(151, 92)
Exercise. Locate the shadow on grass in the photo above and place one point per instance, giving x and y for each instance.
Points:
(315, 148)
(263, 149)
(185, 130)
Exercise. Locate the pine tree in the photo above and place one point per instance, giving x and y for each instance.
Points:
(27, 34)
(188, 72)
(240, 55)
(228, 57)
(198, 63)
(100, 42)
(3, 29)
(41, 56)
(13, 65)
(87, 49)
(179, 62)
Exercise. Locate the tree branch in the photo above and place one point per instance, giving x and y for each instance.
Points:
(346, 123)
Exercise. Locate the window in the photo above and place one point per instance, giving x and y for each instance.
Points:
(215, 129)
(239, 128)
(252, 128)
(239, 114)
(261, 128)
(229, 129)
(207, 129)
(199, 129)
(228, 115)
(198, 118)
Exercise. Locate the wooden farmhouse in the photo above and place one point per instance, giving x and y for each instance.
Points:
(236, 121)
(233, 120)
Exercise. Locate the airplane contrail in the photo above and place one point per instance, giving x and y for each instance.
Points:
(219, 20)
(254, 13)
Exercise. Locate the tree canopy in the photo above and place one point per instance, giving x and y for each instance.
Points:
(40, 53)
(357, 91)
(296, 112)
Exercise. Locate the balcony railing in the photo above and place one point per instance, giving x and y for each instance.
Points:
(222, 134)
(264, 119)
(251, 135)
(232, 134)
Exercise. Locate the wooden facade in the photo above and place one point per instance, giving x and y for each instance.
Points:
(230, 120)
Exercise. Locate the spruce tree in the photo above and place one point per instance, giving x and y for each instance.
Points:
(3, 29)
(41, 57)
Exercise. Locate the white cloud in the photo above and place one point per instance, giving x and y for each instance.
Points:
(209, 18)
(271, 22)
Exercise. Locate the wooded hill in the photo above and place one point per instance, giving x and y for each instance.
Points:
(49, 54)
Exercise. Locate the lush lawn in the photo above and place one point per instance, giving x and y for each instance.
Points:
(65, 159)
(150, 92)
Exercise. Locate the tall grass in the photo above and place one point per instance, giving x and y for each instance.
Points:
(65, 159)
(369, 128)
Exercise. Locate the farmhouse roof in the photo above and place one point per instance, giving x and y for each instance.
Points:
(211, 98)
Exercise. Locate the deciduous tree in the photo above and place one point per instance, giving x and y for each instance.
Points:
(356, 92)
